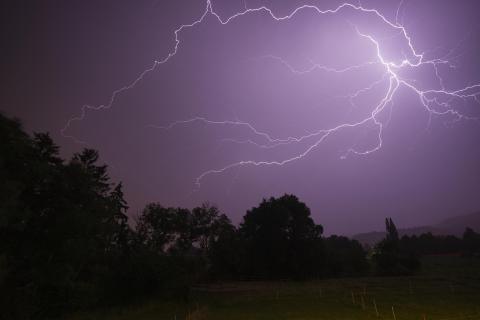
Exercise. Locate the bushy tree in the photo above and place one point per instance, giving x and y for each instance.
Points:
(191, 244)
(344, 257)
(281, 240)
(225, 250)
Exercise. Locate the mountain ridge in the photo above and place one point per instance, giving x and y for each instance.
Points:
(451, 226)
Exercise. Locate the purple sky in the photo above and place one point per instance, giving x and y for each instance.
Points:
(275, 85)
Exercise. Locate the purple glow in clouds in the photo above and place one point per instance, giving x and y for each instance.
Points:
(362, 109)
(437, 99)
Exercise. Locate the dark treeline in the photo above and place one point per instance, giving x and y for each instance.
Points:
(66, 243)
(429, 244)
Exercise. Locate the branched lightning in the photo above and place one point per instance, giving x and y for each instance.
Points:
(318, 67)
(437, 101)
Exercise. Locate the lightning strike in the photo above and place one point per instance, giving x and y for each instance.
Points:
(436, 101)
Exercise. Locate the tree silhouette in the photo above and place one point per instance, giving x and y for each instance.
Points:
(471, 241)
(392, 233)
(390, 257)
(60, 222)
(281, 239)
(344, 257)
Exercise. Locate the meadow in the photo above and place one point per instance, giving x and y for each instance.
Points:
(447, 288)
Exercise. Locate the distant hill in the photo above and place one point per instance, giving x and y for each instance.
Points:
(457, 225)
(451, 226)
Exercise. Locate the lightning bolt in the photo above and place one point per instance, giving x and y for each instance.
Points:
(438, 101)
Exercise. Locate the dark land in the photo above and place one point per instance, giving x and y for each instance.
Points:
(69, 250)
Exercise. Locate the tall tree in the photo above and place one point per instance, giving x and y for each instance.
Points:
(390, 257)
(58, 224)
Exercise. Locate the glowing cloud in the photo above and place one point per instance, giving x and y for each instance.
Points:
(438, 100)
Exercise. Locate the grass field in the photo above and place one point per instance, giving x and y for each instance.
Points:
(448, 288)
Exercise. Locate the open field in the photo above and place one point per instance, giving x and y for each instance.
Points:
(447, 289)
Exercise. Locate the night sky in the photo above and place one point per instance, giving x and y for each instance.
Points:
(253, 107)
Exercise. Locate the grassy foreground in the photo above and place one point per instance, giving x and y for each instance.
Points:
(447, 289)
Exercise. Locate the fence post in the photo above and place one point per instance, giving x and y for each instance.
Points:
(375, 306)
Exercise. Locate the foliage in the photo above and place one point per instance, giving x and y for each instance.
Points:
(60, 225)
(471, 242)
(428, 244)
(344, 257)
(391, 258)
(281, 240)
